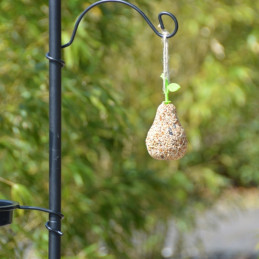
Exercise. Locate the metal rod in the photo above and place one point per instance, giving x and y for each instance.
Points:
(39, 209)
(54, 222)
(135, 8)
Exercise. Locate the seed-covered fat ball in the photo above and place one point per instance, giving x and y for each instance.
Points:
(166, 139)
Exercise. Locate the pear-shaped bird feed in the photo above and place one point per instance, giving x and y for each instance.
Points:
(166, 139)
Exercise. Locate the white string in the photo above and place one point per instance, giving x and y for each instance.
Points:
(165, 59)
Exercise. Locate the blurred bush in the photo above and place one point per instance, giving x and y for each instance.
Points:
(116, 199)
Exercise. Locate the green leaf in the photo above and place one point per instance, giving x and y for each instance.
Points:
(173, 87)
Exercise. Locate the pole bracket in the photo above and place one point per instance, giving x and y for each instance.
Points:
(59, 61)
(47, 225)
(6, 213)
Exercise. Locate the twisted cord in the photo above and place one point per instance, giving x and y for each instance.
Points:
(165, 60)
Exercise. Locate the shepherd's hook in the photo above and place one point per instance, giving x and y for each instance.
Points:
(135, 8)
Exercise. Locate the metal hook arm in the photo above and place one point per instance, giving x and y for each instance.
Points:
(40, 209)
(135, 8)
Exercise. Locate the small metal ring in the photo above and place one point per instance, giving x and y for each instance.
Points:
(60, 61)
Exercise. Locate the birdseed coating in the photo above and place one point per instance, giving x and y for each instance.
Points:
(166, 139)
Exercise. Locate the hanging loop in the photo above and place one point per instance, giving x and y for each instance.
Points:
(135, 8)
(162, 24)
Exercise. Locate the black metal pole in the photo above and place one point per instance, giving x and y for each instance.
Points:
(54, 127)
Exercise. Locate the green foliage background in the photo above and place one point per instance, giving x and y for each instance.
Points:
(116, 199)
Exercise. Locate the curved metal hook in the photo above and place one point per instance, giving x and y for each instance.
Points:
(135, 8)
(162, 24)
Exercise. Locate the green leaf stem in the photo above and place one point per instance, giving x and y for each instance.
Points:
(173, 87)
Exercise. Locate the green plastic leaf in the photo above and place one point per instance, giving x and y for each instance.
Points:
(173, 87)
